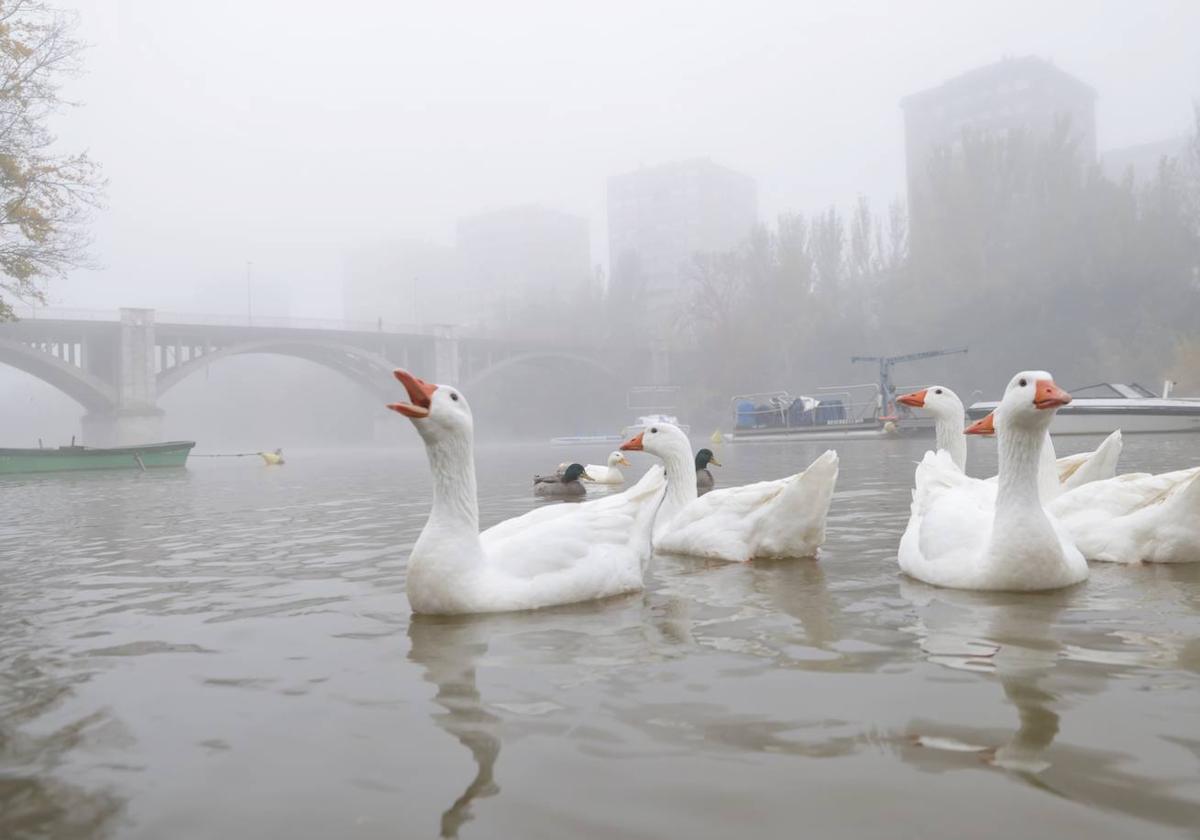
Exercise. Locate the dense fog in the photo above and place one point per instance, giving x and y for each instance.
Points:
(714, 199)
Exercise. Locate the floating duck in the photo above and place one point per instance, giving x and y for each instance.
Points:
(565, 485)
(609, 474)
(704, 478)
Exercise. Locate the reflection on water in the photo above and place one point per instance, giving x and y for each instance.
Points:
(1015, 639)
(449, 649)
(233, 635)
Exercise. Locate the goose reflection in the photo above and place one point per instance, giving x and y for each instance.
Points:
(449, 649)
(1017, 639)
(711, 604)
(1008, 636)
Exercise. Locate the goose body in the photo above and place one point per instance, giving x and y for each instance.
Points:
(964, 533)
(1135, 518)
(609, 473)
(769, 519)
(559, 554)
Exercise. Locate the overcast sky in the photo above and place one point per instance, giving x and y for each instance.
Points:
(291, 133)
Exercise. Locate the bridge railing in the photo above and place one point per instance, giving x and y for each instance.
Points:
(290, 323)
(56, 313)
(192, 319)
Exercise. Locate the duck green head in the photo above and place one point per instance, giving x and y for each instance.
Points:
(705, 457)
(574, 472)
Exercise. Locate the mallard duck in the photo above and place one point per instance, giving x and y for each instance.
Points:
(704, 478)
(556, 554)
(567, 484)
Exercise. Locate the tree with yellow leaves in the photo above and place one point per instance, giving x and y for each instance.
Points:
(45, 195)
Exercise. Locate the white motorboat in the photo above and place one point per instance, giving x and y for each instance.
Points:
(1101, 408)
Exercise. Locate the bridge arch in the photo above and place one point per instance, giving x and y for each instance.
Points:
(480, 376)
(362, 366)
(89, 391)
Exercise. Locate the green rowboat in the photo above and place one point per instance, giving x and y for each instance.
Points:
(70, 458)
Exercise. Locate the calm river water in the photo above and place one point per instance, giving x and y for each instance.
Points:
(227, 652)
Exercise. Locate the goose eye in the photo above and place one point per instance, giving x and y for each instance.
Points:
(454, 396)
(1022, 383)
(654, 430)
(938, 391)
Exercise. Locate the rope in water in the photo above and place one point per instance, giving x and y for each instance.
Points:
(231, 455)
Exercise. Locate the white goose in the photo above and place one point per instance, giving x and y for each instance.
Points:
(1132, 518)
(956, 538)
(1135, 518)
(1065, 473)
(609, 474)
(556, 555)
(769, 519)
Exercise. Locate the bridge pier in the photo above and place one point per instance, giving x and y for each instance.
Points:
(136, 418)
(122, 428)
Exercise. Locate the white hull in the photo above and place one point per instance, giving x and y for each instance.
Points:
(784, 435)
(1132, 422)
(585, 440)
(1147, 415)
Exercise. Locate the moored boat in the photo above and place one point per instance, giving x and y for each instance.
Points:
(585, 440)
(1101, 408)
(840, 412)
(72, 458)
(777, 415)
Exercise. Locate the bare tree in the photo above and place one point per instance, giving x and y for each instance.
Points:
(46, 197)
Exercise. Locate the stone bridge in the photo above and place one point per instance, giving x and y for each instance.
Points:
(116, 365)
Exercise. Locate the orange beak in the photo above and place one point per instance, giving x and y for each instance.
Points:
(916, 399)
(420, 395)
(634, 444)
(1049, 395)
(982, 426)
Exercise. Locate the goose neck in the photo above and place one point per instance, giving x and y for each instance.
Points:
(950, 437)
(1020, 457)
(455, 501)
(681, 477)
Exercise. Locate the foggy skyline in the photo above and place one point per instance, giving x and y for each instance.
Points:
(292, 135)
